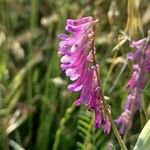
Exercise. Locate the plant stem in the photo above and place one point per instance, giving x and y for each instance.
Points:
(120, 141)
(66, 117)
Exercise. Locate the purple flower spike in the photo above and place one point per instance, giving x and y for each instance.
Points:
(123, 120)
(77, 63)
(141, 67)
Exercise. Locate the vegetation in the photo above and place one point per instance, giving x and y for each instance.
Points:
(36, 109)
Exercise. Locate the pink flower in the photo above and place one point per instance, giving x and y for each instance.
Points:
(141, 67)
(77, 63)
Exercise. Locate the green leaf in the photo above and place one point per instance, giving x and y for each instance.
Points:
(143, 142)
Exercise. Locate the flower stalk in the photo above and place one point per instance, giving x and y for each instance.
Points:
(106, 109)
(78, 61)
(140, 59)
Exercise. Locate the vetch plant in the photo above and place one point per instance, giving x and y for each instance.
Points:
(140, 59)
(78, 61)
(38, 111)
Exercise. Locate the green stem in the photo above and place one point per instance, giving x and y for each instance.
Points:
(66, 117)
(106, 109)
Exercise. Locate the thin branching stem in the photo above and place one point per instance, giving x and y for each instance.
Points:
(106, 109)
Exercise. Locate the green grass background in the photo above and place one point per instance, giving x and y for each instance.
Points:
(36, 109)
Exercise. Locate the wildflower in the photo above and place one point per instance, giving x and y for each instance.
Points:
(77, 63)
(136, 84)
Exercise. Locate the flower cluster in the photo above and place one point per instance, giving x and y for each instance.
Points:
(77, 50)
(140, 68)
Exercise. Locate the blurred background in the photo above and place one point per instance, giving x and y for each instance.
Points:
(36, 109)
